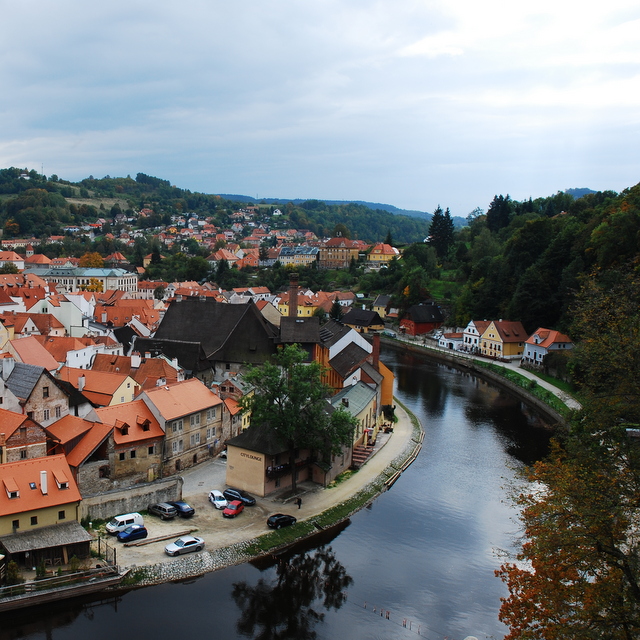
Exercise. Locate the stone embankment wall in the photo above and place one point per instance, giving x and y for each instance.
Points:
(460, 362)
(104, 506)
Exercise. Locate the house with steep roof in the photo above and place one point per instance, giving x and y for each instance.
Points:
(21, 437)
(381, 254)
(421, 318)
(191, 417)
(503, 339)
(11, 257)
(31, 351)
(210, 338)
(39, 510)
(101, 388)
(89, 448)
(40, 396)
(363, 320)
(381, 304)
(138, 441)
(471, 335)
(146, 371)
(542, 342)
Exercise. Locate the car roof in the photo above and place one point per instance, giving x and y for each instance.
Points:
(186, 538)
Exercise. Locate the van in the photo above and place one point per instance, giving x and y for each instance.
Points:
(389, 333)
(120, 523)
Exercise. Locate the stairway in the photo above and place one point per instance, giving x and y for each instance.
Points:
(360, 456)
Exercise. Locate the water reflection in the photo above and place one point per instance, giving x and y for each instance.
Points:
(287, 606)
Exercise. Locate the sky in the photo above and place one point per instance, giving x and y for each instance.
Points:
(416, 103)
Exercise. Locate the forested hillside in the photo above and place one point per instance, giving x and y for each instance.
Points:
(32, 205)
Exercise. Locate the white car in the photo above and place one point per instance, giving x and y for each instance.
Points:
(185, 544)
(217, 499)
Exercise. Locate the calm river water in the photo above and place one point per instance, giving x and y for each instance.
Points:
(418, 563)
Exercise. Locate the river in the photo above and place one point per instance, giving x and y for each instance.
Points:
(418, 563)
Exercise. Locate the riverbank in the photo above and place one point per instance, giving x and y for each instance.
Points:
(499, 373)
(240, 541)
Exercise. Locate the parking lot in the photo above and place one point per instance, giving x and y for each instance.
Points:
(207, 523)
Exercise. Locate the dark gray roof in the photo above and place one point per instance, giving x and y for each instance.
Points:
(382, 301)
(424, 313)
(332, 331)
(227, 332)
(349, 359)
(362, 318)
(358, 396)
(260, 439)
(55, 535)
(299, 330)
(190, 355)
(372, 372)
(23, 379)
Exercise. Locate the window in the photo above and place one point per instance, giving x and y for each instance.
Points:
(45, 392)
(58, 411)
(194, 419)
(152, 450)
(195, 439)
(13, 494)
(174, 446)
(61, 515)
(211, 414)
(122, 455)
(23, 454)
(176, 426)
(15, 524)
(121, 399)
(46, 414)
(133, 453)
(34, 520)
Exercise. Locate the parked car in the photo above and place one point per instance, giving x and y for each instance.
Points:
(278, 520)
(184, 510)
(234, 508)
(185, 544)
(238, 494)
(389, 333)
(132, 532)
(121, 522)
(217, 499)
(223, 454)
(163, 509)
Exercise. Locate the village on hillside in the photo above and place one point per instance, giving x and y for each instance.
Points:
(111, 385)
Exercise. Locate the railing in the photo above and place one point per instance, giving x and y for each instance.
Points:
(57, 582)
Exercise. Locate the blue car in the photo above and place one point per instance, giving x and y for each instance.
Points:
(133, 532)
(184, 510)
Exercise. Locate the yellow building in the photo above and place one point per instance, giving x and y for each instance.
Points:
(503, 339)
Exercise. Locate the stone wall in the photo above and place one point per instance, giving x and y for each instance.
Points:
(104, 506)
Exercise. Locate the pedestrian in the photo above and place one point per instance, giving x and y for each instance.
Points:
(299, 502)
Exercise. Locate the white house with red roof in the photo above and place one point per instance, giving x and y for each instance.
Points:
(542, 342)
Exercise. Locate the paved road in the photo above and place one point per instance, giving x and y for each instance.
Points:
(217, 531)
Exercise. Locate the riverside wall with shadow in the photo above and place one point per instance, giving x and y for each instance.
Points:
(466, 363)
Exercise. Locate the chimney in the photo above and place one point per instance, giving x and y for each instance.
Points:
(3, 448)
(293, 296)
(135, 360)
(43, 483)
(376, 351)
(81, 381)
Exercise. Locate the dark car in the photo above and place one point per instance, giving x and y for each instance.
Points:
(163, 509)
(133, 532)
(278, 520)
(233, 509)
(232, 494)
(184, 510)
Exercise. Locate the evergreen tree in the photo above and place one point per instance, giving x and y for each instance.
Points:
(441, 231)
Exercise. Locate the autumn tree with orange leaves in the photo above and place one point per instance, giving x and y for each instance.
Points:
(577, 574)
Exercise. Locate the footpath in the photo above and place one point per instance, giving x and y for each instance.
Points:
(226, 540)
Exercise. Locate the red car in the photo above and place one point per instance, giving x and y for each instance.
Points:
(233, 509)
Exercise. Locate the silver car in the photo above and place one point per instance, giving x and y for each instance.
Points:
(185, 544)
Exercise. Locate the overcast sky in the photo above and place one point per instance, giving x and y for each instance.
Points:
(413, 103)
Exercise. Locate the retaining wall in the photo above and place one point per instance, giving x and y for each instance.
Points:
(103, 506)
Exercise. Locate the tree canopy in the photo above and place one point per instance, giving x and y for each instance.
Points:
(291, 400)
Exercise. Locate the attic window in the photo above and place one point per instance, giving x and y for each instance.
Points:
(11, 487)
(32, 485)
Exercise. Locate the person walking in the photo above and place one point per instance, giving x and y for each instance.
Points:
(299, 502)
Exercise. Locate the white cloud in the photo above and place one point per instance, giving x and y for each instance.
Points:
(411, 103)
